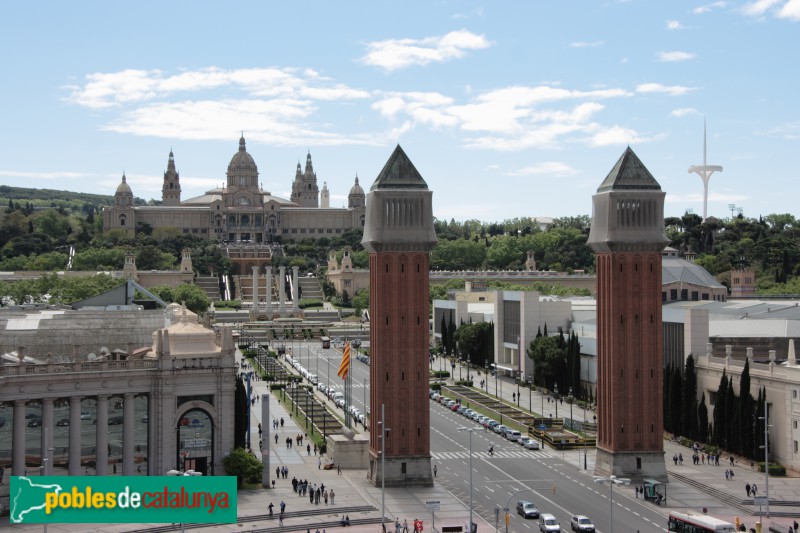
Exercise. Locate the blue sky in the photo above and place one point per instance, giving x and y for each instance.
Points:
(508, 109)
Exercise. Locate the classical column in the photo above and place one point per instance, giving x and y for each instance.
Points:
(128, 419)
(18, 439)
(281, 289)
(75, 436)
(296, 290)
(255, 288)
(268, 299)
(47, 443)
(101, 435)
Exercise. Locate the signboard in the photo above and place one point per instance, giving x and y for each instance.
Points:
(542, 427)
(432, 505)
(759, 500)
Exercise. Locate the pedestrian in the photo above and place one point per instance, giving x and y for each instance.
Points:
(339, 469)
(397, 526)
(325, 497)
(308, 449)
(680, 459)
(280, 519)
(276, 438)
(2, 473)
(283, 506)
(281, 421)
(435, 470)
(727, 476)
(731, 474)
(319, 463)
(754, 489)
(270, 506)
(277, 471)
(405, 525)
(675, 459)
(333, 495)
(315, 449)
(747, 488)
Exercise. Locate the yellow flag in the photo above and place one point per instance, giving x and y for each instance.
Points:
(344, 368)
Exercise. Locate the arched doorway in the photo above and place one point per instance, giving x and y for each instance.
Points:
(195, 442)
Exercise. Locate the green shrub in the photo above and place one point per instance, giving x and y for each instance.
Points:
(243, 465)
(440, 374)
(775, 469)
(436, 386)
(465, 383)
(306, 303)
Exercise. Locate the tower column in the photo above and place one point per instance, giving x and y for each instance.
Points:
(296, 290)
(128, 419)
(48, 421)
(281, 290)
(255, 288)
(75, 447)
(18, 439)
(268, 298)
(101, 442)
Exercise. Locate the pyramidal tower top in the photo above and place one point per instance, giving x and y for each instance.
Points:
(705, 171)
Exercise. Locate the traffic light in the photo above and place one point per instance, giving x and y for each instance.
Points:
(736, 523)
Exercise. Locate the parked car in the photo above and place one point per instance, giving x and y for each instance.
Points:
(581, 523)
(63, 422)
(529, 443)
(513, 435)
(499, 428)
(548, 524)
(527, 509)
(34, 422)
(86, 415)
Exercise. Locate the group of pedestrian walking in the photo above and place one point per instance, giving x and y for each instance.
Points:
(282, 472)
(751, 490)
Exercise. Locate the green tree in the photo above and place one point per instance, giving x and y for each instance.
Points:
(193, 296)
(689, 400)
(361, 301)
(243, 465)
(471, 339)
(547, 358)
(702, 419)
(719, 412)
(241, 412)
(458, 255)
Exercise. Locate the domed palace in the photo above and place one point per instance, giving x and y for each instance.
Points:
(241, 211)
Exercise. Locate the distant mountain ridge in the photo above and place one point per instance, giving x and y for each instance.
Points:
(48, 197)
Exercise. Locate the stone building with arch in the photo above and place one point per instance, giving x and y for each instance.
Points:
(241, 211)
(108, 392)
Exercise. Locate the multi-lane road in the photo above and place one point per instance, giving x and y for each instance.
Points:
(555, 483)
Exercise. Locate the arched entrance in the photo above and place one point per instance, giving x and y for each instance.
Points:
(195, 442)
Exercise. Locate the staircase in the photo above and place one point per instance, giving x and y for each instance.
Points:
(210, 285)
(310, 288)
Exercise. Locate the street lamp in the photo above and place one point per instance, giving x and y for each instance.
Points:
(612, 480)
(384, 431)
(519, 376)
(766, 457)
(570, 399)
(530, 394)
(555, 397)
(460, 366)
(486, 371)
(470, 430)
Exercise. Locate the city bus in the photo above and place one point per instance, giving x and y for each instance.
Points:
(691, 523)
(326, 342)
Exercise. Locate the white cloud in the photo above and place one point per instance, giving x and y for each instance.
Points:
(125, 87)
(708, 7)
(672, 90)
(790, 10)
(758, 7)
(684, 111)
(583, 44)
(547, 168)
(675, 25)
(393, 54)
(675, 56)
(789, 131)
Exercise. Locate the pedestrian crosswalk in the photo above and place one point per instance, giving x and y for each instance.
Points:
(511, 454)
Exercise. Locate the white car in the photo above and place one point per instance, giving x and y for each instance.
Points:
(513, 435)
(529, 443)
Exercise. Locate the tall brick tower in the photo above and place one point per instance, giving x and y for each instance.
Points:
(628, 236)
(399, 235)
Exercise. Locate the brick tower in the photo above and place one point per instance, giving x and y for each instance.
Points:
(628, 236)
(399, 235)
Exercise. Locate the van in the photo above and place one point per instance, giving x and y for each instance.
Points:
(513, 435)
(548, 524)
(313, 379)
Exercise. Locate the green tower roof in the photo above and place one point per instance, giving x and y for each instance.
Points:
(399, 173)
(629, 174)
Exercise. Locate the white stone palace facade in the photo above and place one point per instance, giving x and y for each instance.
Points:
(241, 211)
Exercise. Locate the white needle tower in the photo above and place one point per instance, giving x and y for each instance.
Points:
(705, 171)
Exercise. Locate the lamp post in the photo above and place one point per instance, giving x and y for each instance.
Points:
(460, 366)
(470, 430)
(612, 480)
(570, 398)
(384, 431)
(486, 371)
(555, 397)
(519, 376)
(766, 457)
(530, 394)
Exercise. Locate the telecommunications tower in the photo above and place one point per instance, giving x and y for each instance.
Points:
(705, 171)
